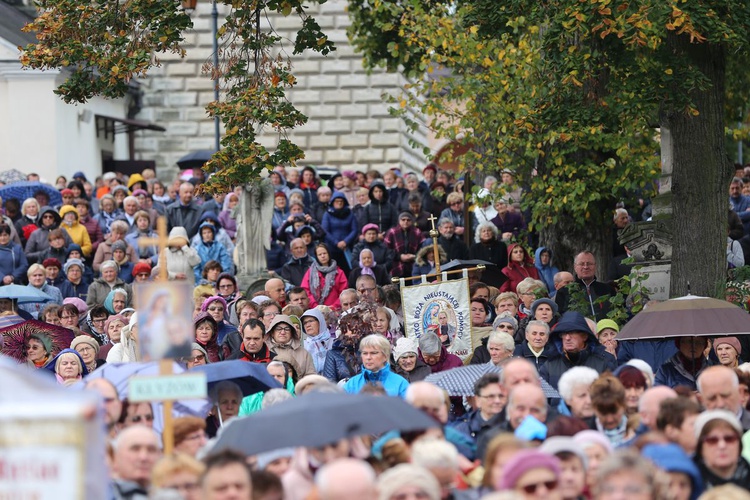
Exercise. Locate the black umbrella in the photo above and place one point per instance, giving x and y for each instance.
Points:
(251, 377)
(195, 159)
(318, 419)
(461, 264)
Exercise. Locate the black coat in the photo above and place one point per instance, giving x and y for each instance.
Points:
(420, 371)
(294, 270)
(553, 369)
(382, 277)
(495, 252)
(454, 247)
(523, 350)
(595, 290)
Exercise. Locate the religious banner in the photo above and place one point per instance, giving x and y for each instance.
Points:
(165, 319)
(442, 308)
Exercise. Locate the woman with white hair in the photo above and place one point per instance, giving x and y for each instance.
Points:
(226, 397)
(376, 351)
(408, 481)
(488, 247)
(127, 350)
(574, 387)
(500, 346)
(38, 279)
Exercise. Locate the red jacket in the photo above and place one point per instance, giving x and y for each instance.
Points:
(515, 272)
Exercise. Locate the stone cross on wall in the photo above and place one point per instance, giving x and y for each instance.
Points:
(253, 215)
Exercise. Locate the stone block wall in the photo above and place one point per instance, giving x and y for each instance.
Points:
(349, 124)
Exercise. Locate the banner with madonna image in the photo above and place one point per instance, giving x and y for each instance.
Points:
(443, 308)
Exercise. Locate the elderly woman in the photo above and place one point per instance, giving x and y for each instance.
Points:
(74, 284)
(597, 448)
(282, 338)
(367, 265)
(127, 350)
(532, 474)
(100, 288)
(37, 280)
(29, 221)
(179, 472)
(104, 252)
(68, 367)
(226, 286)
(507, 301)
(488, 247)
(116, 300)
(113, 330)
(342, 360)
(500, 346)
(408, 481)
(198, 356)
(718, 455)
(226, 397)
(38, 350)
(626, 474)
(528, 291)
(69, 317)
(88, 348)
(606, 331)
(542, 309)
(206, 336)
(575, 392)
(407, 363)
(536, 347)
(727, 349)
(376, 351)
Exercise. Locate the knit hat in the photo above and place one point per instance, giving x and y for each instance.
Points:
(506, 319)
(430, 166)
(72, 262)
(108, 176)
(729, 341)
(52, 262)
(606, 323)
(644, 367)
(215, 298)
(405, 346)
(265, 458)
(350, 174)
(562, 444)
(429, 343)
(66, 191)
(711, 415)
(80, 305)
(309, 380)
(408, 215)
(279, 194)
(85, 339)
(589, 437)
(139, 192)
(80, 175)
(406, 474)
(141, 267)
(547, 301)
(120, 245)
(370, 227)
(522, 462)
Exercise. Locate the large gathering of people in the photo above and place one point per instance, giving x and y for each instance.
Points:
(560, 409)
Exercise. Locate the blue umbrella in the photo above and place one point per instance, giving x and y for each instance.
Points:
(24, 294)
(26, 189)
(12, 175)
(251, 377)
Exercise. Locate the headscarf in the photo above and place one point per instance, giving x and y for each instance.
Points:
(110, 320)
(101, 337)
(109, 301)
(367, 270)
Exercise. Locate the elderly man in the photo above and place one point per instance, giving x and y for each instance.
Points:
(648, 405)
(227, 477)
(519, 371)
(348, 298)
(185, 212)
(435, 355)
(578, 346)
(295, 268)
(719, 389)
(274, 289)
(562, 279)
(135, 451)
(112, 403)
(346, 478)
(454, 247)
(585, 268)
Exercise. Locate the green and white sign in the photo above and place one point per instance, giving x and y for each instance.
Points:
(167, 387)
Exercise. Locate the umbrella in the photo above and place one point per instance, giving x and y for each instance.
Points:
(26, 189)
(251, 377)
(17, 336)
(24, 294)
(460, 381)
(195, 159)
(11, 176)
(10, 320)
(460, 264)
(689, 316)
(318, 419)
(119, 374)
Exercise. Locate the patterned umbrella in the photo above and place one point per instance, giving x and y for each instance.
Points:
(11, 176)
(460, 381)
(26, 189)
(16, 337)
(10, 320)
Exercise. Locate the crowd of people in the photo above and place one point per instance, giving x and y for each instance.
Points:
(662, 419)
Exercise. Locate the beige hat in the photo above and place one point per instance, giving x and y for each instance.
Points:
(85, 339)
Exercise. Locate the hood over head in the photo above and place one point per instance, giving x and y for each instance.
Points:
(317, 314)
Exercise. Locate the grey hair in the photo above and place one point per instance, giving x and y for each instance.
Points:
(573, 377)
(444, 220)
(430, 453)
(629, 461)
(377, 342)
(536, 322)
(123, 434)
(619, 211)
(502, 339)
(274, 397)
(27, 202)
(119, 226)
(735, 380)
(484, 225)
(122, 291)
(224, 385)
(107, 264)
(529, 284)
(512, 402)
(130, 198)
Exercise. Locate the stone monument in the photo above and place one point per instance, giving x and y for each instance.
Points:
(253, 215)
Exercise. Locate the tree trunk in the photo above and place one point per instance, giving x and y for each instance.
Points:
(700, 178)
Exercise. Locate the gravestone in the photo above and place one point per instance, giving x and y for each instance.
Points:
(253, 215)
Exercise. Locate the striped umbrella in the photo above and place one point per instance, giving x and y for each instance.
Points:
(460, 381)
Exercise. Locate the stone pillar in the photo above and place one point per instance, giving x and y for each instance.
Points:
(253, 215)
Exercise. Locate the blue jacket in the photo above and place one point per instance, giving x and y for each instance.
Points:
(340, 225)
(211, 251)
(654, 352)
(546, 272)
(13, 262)
(672, 373)
(335, 367)
(671, 458)
(394, 385)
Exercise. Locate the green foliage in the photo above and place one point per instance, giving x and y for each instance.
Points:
(105, 43)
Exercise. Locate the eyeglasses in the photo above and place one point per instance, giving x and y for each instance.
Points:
(282, 329)
(142, 275)
(68, 317)
(48, 216)
(270, 314)
(216, 309)
(492, 396)
(419, 495)
(145, 418)
(100, 320)
(548, 485)
(714, 440)
(225, 287)
(366, 290)
(85, 349)
(586, 264)
(193, 359)
(456, 203)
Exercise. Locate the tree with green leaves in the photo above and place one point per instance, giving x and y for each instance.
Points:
(573, 95)
(103, 45)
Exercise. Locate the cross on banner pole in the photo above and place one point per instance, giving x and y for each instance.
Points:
(165, 365)
(435, 247)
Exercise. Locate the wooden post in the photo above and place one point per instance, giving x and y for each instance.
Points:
(165, 365)
(435, 248)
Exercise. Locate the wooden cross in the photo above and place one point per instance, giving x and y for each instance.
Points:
(435, 247)
(165, 365)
